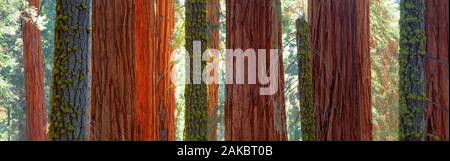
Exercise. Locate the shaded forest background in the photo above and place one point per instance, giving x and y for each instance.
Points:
(384, 45)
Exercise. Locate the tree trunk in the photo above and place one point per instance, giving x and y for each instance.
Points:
(69, 100)
(308, 124)
(34, 80)
(165, 96)
(412, 81)
(250, 116)
(196, 93)
(213, 89)
(114, 100)
(341, 68)
(132, 96)
(436, 69)
(156, 93)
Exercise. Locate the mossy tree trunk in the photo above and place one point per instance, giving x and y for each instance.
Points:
(412, 81)
(341, 68)
(69, 89)
(213, 89)
(307, 112)
(196, 93)
(34, 80)
(436, 69)
(249, 116)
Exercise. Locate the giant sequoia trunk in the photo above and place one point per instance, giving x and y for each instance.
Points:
(213, 89)
(132, 98)
(114, 100)
(69, 100)
(165, 94)
(412, 81)
(308, 123)
(254, 24)
(196, 92)
(34, 80)
(436, 69)
(341, 68)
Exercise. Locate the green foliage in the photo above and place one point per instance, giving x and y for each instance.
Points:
(384, 16)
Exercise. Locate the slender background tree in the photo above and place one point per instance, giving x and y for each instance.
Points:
(34, 80)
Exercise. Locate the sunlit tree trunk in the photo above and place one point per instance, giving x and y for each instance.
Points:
(341, 68)
(412, 81)
(213, 89)
(436, 69)
(165, 94)
(254, 24)
(196, 93)
(132, 96)
(69, 93)
(307, 112)
(34, 80)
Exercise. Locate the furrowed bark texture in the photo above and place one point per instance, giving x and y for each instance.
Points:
(114, 100)
(436, 69)
(69, 93)
(196, 93)
(341, 69)
(145, 39)
(165, 94)
(249, 116)
(307, 111)
(133, 98)
(213, 89)
(34, 80)
(412, 81)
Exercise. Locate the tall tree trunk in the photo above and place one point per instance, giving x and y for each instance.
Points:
(341, 68)
(308, 123)
(132, 96)
(436, 69)
(69, 100)
(34, 80)
(213, 89)
(156, 93)
(248, 114)
(196, 93)
(412, 80)
(165, 95)
(114, 101)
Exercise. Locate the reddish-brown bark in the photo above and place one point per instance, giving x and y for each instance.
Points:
(34, 80)
(114, 100)
(436, 69)
(341, 68)
(213, 89)
(249, 115)
(165, 94)
(132, 96)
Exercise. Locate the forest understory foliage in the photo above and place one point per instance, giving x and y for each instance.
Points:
(101, 70)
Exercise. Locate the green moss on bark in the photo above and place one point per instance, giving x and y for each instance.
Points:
(307, 111)
(412, 81)
(196, 117)
(68, 92)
